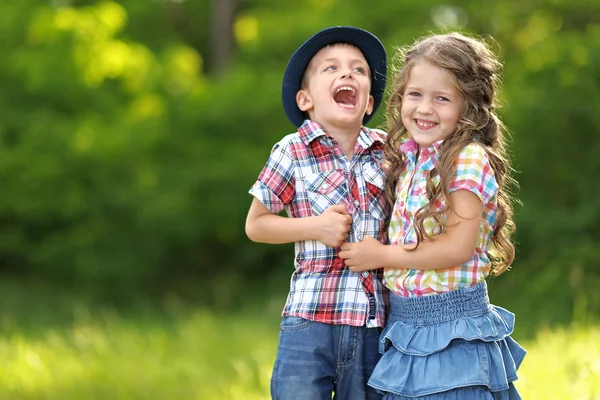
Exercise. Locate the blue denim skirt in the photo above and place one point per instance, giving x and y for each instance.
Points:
(454, 345)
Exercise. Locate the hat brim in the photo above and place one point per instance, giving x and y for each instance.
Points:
(365, 41)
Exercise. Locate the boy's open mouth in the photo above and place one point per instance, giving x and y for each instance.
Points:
(345, 96)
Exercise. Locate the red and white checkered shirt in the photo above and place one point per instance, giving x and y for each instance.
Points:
(306, 173)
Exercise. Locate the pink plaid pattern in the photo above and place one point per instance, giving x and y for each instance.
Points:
(305, 174)
(473, 173)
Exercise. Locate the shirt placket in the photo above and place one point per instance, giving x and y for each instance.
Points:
(406, 195)
(359, 233)
(354, 199)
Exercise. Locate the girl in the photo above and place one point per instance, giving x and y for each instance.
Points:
(451, 226)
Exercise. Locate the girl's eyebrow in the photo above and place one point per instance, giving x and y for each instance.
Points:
(437, 92)
(445, 94)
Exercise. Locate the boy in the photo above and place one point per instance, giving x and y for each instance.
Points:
(328, 177)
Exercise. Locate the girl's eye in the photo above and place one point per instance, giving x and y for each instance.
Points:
(442, 98)
(413, 94)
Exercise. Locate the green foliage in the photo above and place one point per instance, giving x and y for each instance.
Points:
(125, 160)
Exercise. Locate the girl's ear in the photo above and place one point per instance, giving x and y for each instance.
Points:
(303, 100)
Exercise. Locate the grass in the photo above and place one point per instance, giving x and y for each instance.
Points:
(104, 355)
(561, 364)
(75, 350)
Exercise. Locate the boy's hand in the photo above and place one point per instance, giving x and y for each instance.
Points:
(362, 256)
(335, 223)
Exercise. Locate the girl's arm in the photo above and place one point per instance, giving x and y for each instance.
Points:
(453, 247)
(331, 228)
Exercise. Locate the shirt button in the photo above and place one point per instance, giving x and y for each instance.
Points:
(365, 274)
(356, 203)
(359, 236)
(325, 186)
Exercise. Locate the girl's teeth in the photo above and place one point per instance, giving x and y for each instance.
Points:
(425, 124)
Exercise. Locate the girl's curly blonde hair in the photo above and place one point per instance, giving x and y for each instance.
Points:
(475, 70)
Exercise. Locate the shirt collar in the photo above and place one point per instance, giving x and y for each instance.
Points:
(310, 130)
(428, 155)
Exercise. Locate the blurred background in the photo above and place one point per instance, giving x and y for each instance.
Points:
(131, 131)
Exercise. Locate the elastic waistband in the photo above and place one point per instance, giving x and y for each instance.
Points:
(439, 308)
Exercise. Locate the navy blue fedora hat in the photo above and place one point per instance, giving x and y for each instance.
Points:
(365, 41)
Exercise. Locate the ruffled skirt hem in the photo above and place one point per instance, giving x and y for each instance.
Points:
(458, 350)
(472, 392)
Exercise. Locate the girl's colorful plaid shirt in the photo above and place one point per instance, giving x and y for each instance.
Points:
(305, 174)
(473, 173)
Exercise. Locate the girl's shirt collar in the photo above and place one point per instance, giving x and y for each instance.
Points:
(427, 155)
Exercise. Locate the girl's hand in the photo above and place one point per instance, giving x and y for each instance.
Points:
(362, 256)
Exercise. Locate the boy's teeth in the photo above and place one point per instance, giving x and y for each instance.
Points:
(344, 88)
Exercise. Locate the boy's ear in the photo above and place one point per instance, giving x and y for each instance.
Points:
(370, 103)
(303, 100)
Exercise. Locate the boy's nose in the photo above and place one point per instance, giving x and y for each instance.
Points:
(346, 73)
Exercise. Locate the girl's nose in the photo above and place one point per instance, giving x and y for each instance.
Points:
(425, 107)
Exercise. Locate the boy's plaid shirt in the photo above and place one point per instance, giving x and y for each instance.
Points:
(473, 173)
(305, 174)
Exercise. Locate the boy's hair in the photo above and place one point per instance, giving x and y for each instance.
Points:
(475, 70)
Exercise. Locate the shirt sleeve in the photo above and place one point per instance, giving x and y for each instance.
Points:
(474, 173)
(275, 187)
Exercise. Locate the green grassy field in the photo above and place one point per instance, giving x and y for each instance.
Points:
(175, 352)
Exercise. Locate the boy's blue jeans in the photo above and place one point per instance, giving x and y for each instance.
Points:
(315, 360)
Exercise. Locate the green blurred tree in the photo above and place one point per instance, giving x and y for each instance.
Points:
(131, 132)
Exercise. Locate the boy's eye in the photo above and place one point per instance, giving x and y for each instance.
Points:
(330, 68)
(360, 70)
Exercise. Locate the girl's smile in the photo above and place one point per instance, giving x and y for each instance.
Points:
(422, 124)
